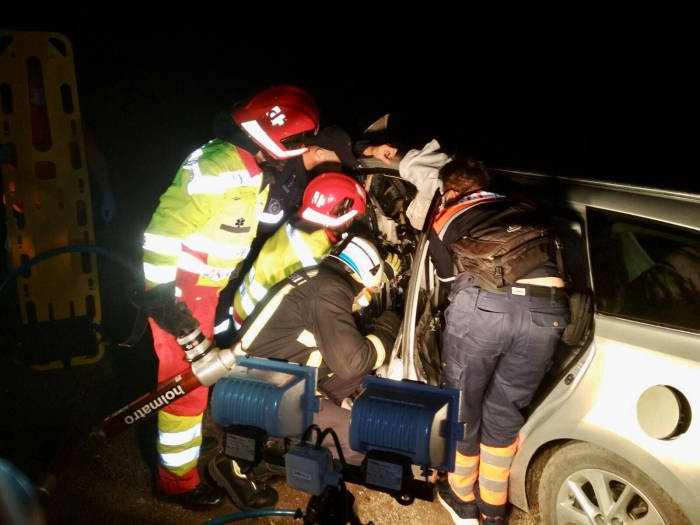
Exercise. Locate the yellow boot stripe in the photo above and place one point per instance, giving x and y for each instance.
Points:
(497, 461)
(466, 461)
(493, 497)
(465, 471)
(501, 451)
(464, 492)
(493, 485)
(497, 473)
(171, 423)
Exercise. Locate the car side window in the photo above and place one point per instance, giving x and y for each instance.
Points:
(645, 270)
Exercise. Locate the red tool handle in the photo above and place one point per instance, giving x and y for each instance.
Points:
(149, 404)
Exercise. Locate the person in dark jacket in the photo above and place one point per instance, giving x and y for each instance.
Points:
(314, 323)
(497, 345)
(308, 319)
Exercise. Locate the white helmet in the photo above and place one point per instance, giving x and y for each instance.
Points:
(362, 257)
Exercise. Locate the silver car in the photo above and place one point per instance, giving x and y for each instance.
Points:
(609, 438)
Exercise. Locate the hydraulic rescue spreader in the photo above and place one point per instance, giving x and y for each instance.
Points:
(208, 365)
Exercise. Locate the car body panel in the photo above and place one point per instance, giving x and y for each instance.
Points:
(649, 203)
(599, 406)
(691, 507)
(595, 399)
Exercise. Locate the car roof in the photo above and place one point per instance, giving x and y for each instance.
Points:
(669, 206)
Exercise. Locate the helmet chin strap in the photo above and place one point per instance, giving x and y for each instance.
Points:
(264, 156)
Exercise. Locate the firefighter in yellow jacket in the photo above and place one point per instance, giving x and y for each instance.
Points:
(331, 201)
(197, 238)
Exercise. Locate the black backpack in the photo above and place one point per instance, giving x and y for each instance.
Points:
(505, 247)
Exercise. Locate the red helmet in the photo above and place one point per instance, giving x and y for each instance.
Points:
(332, 200)
(278, 119)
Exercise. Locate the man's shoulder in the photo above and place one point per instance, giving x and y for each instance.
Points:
(218, 157)
(219, 151)
(462, 213)
(331, 286)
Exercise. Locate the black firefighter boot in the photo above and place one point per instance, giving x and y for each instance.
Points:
(202, 497)
(265, 471)
(244, 493)
(208, 443)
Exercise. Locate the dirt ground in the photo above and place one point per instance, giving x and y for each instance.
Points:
(108, 478)
(109, 481)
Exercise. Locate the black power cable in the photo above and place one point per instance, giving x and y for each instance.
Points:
(336, 440)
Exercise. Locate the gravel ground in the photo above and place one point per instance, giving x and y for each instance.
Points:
(109, 481)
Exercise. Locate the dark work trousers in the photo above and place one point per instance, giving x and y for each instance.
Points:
(336, 417)
(496, 349)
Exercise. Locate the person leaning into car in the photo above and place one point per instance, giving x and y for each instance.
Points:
(496, 348)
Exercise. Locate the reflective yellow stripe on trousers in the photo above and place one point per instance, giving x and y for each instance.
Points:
(179, 439)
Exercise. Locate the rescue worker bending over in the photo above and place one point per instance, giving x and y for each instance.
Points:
(498, 340)
(197, 238)
(331, 202)
(310, 321)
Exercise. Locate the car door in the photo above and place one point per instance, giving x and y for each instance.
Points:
(641, 386)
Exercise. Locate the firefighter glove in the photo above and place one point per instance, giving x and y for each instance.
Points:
(392, 268)
(159, 304)
(389, 322)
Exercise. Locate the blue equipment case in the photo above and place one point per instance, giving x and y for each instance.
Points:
(409, 418)
(273, 395)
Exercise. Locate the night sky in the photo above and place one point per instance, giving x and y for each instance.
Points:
(588, 94)
(578, 94)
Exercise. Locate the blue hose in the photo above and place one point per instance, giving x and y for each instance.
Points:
(99, 250)
(256, 514)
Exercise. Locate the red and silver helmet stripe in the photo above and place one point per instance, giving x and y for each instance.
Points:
(259, 135)
(317, 217)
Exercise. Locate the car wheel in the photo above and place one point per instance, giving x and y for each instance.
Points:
(583, 484)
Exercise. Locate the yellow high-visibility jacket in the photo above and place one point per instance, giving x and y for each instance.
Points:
(208, 217)
(292, 247)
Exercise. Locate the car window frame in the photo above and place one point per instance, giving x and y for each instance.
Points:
(635, 218)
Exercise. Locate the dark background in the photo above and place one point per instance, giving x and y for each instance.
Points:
(584, 93)
(587, 94)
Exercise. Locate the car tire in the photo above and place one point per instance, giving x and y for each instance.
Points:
(579, 478)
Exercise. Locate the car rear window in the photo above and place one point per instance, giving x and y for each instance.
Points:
(645, 270)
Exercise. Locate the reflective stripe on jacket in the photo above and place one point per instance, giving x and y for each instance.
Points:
(288, 250)
(207, 218)
(310, 321)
